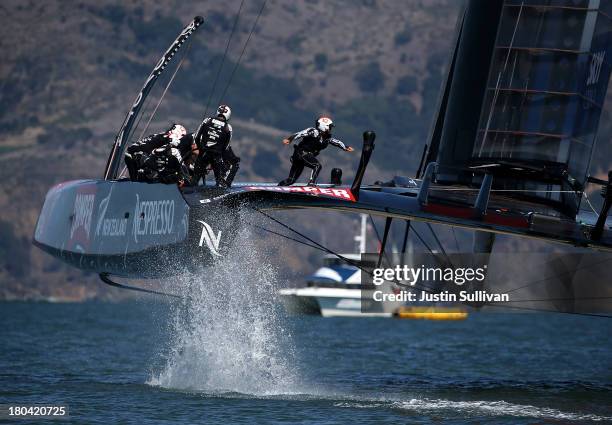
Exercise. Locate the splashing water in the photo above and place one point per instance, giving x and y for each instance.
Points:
(228, 334)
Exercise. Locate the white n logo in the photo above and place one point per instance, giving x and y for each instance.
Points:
(208, 236)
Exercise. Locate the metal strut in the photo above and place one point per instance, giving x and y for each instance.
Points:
(405, 241)
(383, 244)
(482, 201)
(427, 178)
(104, 277)
(366, 153)
(606, 192)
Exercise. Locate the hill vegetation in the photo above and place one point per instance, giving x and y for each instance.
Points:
(70, 70)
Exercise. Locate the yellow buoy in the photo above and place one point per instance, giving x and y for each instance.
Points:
(431, 313)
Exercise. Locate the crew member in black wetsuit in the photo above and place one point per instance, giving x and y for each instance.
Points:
(213, 139)
(232, 164)
(171, 163)
(137, 153)
(313, 140)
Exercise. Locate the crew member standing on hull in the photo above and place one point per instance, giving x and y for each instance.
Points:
(232, 164)
(312, 141)
(213, 139)
(137, 153)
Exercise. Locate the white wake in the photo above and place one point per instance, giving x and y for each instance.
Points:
(476, 408)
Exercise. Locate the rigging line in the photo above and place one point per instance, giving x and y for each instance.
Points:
(229, 82)
(456, 240)
(347, 260)
(559, 299)
(178, 67)
(426, 245)
(586, 197)
(494, 102)
(123, 170)
(229, 40)
(425, 289)
(375, 229)
(145, 106)
(423, 241)
(558, 275)
(144, 112)
(466, 189)
(552, 262)
(514, 307)
(440, 245)
(378, 237)
(287, 237)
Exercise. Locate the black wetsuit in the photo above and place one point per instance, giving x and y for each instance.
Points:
(137, 153)
(305, 153)
(166, 164)
(232, 164)
(213, 139)
(163, 165)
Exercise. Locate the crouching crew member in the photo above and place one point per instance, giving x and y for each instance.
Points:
(311, 142)
(137, 153)
(171, 164)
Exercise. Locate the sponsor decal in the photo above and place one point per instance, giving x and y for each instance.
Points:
(81, 216)
(109, 226)
(153, 217)
(344, 194)
(208, 237)
(597, 60)
(216, 198)
(592, 82)
(114, 227)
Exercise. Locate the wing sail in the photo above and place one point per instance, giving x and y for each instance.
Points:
(529, 102)
(114, 159)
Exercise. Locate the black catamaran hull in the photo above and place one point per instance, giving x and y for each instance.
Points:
(130, 229)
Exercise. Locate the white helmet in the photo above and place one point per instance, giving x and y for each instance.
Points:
(224, 111)
(324, 124)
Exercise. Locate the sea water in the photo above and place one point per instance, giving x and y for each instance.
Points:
(126, 362)
(228, 353)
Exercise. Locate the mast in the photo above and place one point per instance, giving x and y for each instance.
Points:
(361, 237)
(114, 159)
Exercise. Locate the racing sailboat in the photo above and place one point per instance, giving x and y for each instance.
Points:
(509, 153)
